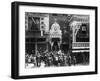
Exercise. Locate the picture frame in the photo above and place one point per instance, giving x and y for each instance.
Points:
(41, 32)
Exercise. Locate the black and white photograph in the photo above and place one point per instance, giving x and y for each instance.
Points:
(50, 40)
(56, 40)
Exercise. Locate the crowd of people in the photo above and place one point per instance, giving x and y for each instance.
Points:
(49, 58)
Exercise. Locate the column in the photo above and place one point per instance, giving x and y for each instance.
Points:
(51, 45)
(36, 48)
(74, 37)
(75, 30)
(47, 45)
(41, 32)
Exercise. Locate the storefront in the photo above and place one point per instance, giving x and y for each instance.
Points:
(80, 38)
(36, 28)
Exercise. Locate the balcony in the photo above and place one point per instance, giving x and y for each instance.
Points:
(33, 33)
(80, 44)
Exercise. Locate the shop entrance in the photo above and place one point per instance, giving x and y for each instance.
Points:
(55, 46)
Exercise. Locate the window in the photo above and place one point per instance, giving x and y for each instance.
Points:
(34, 23)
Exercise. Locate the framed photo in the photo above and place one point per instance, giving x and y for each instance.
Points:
(50, 40)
